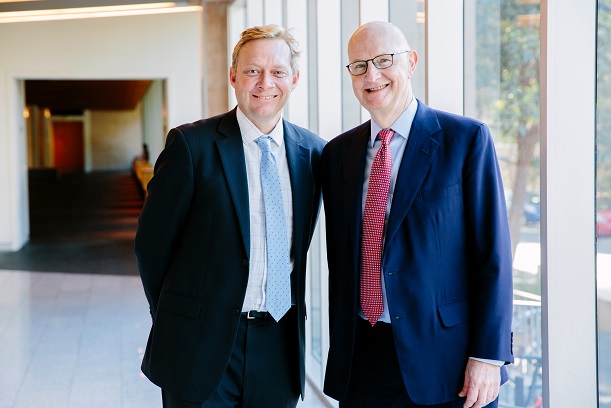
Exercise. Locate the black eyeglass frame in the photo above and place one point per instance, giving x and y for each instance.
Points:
(392, 61)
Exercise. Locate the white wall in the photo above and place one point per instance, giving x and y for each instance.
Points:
(155, 46)
(154, 120)
(116, 138)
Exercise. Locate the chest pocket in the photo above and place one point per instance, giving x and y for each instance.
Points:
(441, 193)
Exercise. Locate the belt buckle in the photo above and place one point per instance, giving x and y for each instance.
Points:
(248, 316)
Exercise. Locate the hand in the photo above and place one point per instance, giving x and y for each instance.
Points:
(482, 382)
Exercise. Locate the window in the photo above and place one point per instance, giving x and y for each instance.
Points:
(502, 90)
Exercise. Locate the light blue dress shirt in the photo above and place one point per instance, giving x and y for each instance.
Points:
(401, 126)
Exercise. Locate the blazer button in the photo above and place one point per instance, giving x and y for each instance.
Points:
(245, 262)
(235, 312)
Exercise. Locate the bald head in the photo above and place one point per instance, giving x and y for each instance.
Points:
(380, 35)
(382, 84)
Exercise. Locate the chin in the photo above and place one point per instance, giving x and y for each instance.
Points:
(375, 101)
(374, 106)
(266, 112)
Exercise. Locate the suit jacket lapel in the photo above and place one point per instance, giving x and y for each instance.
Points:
(353, 175)
(419, 153)
(297, 157)
(231, 151)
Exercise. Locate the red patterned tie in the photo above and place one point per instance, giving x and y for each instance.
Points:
(373, 230)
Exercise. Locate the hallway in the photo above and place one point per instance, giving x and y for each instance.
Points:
(80, 223)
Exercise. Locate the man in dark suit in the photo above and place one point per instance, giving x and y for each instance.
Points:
(222, 242)
(420, 272)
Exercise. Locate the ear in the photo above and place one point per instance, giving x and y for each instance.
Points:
(413, 60)
(295, 80)
(232, 77)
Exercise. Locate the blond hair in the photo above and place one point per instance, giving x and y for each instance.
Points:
(271, 31)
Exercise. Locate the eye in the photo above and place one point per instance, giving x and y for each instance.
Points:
(252, 72)
(359, 65)
(280, 74)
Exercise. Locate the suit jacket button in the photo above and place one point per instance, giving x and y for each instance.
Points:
(245, 262)
(235, 312)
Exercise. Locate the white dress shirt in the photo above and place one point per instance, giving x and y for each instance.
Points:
(257, 269)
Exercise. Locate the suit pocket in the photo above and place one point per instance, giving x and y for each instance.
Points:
(454, 313)
(177, 303)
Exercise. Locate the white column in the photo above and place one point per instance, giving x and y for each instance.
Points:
(297, 19)
(444, 51)
(351, 108)
(568, 58)
(254, 13)
(329, 75)
(15, 221)
(22, 227)
(373, 10)
(274, 12)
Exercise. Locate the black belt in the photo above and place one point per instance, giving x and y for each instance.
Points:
(254, 314)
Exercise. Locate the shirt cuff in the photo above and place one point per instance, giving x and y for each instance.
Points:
(498, 363)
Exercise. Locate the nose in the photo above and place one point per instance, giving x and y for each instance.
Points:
(372, 72)
(266, 80)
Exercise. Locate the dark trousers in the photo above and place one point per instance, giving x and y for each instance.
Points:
(263, 370)
(375, 379)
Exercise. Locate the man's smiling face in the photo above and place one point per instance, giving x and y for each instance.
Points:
(383, 92)
(263, 81)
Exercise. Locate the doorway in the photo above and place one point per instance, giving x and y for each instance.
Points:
(84, 201)
(68, 146)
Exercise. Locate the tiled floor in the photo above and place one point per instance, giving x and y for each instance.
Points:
(76, 340)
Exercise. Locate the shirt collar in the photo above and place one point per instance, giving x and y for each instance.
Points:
(401, 126)
(250, 132)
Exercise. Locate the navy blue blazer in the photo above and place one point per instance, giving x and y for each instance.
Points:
(192, 247)
(446, 258)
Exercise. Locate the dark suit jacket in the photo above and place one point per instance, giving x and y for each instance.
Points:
(192, 247)
(446, 257)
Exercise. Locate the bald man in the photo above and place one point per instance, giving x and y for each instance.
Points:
(420, 270)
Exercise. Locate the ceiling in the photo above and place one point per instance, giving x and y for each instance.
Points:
(78, 95)
(30, 5)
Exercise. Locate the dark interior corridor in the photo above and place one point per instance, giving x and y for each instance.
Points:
(81, 223)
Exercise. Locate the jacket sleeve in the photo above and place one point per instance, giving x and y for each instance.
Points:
(490, 259)
(167, 204)
(330, 236)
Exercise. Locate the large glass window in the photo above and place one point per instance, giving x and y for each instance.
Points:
(603, 201)
(502, 89)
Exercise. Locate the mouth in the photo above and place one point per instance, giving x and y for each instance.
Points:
(266, 98)
(377, 88)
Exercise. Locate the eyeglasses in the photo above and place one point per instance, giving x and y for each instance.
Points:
(383, 61)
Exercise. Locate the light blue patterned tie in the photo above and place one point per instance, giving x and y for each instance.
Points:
(278, 289)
